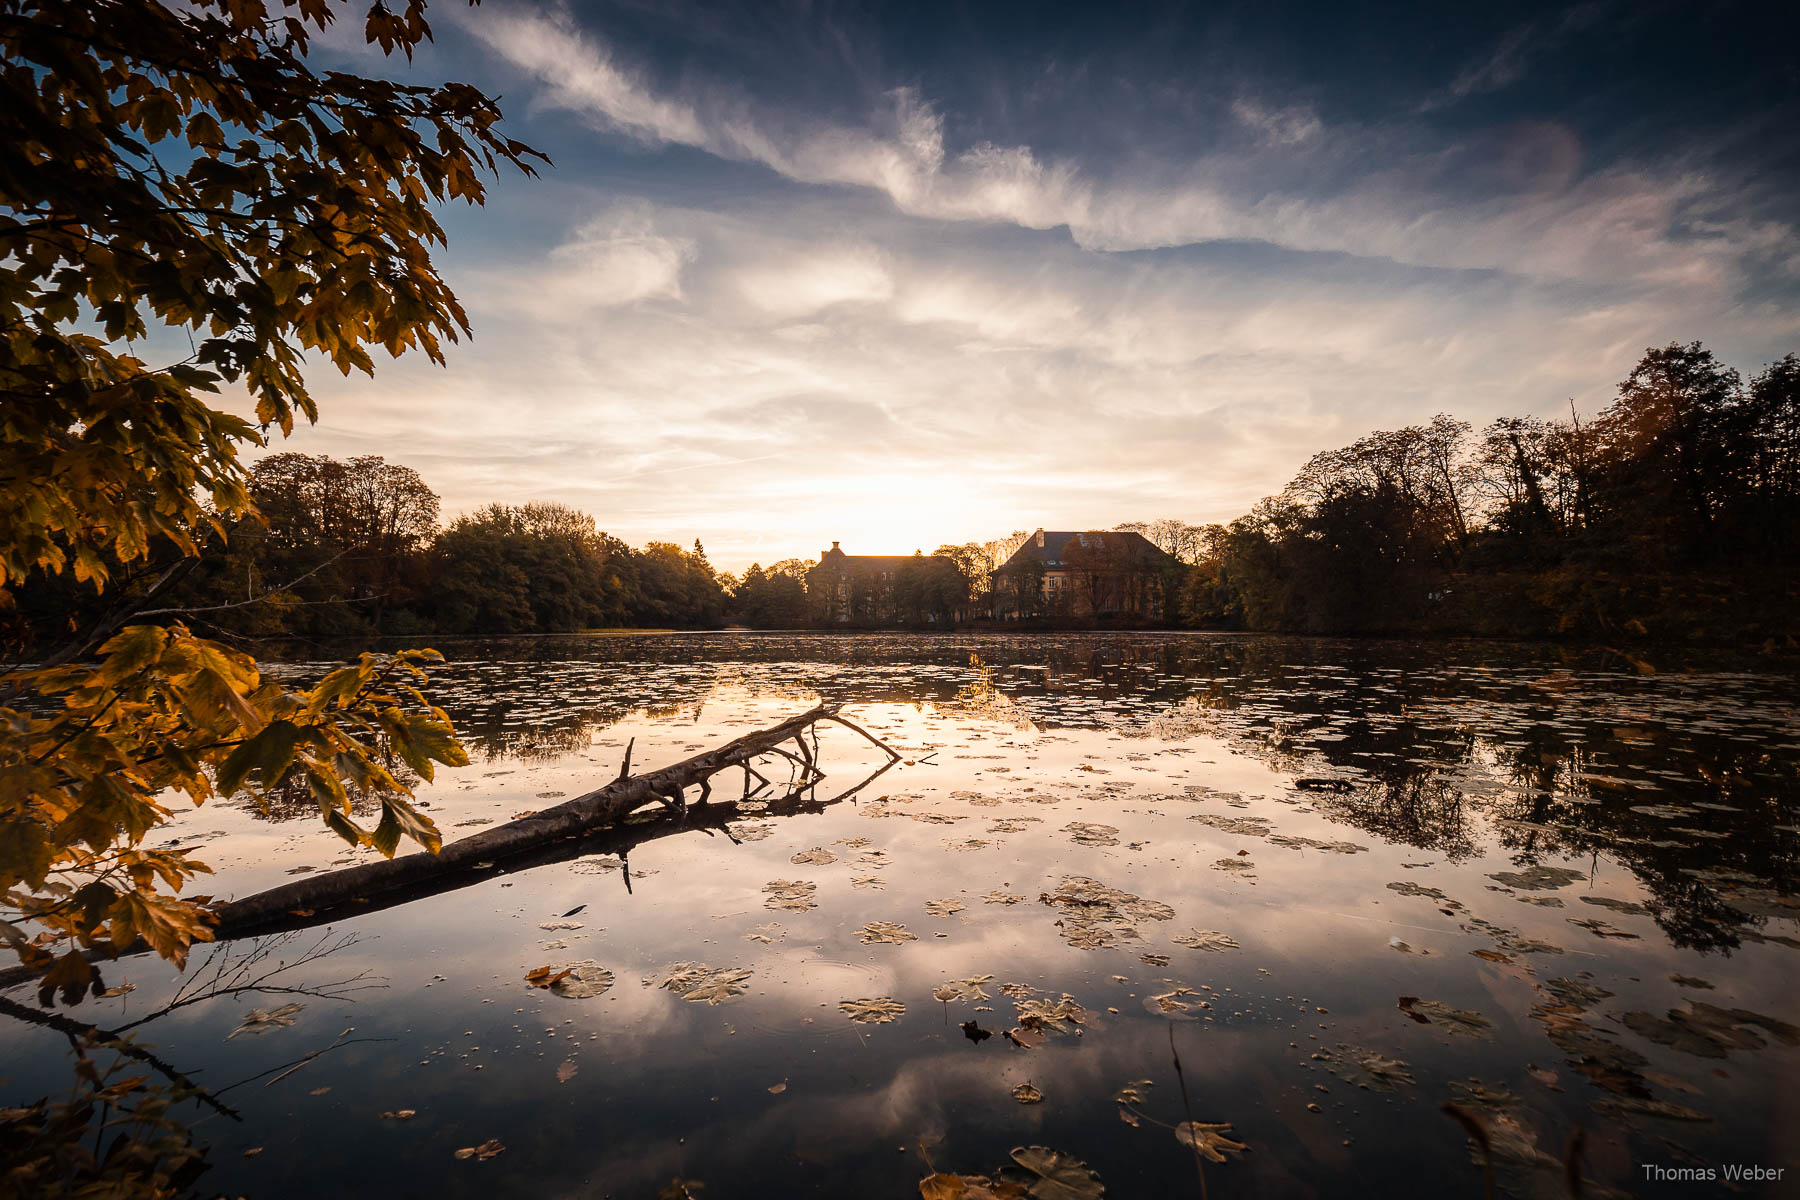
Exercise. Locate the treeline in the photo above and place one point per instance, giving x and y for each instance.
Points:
(353, 549)
(1673, 514)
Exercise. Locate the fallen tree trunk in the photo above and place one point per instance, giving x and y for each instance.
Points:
(603, 806)
(619, 838)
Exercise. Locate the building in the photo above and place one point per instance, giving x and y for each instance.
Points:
(886, 589)
(1085, 574)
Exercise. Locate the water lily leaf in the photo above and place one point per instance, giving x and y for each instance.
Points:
(1133, 1092)
(1629, 1106)
(1209, 1139)
(1450, 1020)
(794, 895)
(1059, 1176)
(260, 1021)
(1051, 1016)
(1084, 833)
(1178, 1000)
(700, 983)
(1709, 1032)
(1364, 1068)
(582, 981)
(970, 1187)
(1539, 879)
(878, 1010)
(970, 989)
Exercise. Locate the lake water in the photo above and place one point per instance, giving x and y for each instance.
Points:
(1349, 882)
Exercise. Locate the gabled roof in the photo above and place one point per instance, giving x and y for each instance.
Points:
(871, 562)
(1053, 549)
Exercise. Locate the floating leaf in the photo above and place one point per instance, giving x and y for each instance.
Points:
(1026, 1093)
(943, 908)
(1364, 1068)
(1709, 1032)
(1450, 1020)
(700, 983)
(885, 931)
(1062, 1015)
(1206, 939)
(1209, 1139)
(543, 977)
(794, 895)
(1059, 1176)
(878, 1010)
(1539, 879)
(970, 989)
(1083, 833)
(582, 980)
(260, 1021)
(483, 1152)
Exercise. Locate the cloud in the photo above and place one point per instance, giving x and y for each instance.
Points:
(1512, 57)
(1368, 192)
(1289, 126)
(613, 259)
(925, 383)
(798, 285)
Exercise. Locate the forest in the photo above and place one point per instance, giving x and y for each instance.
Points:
(1674, 514)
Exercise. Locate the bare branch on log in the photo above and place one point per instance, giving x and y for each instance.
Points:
(602, 806)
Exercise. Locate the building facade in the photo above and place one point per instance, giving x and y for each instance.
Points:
(1084, 575)
(886, 589)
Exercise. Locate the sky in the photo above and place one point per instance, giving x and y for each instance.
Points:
(920, 273)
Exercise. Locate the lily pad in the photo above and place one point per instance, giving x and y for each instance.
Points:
(699, 983)
(1539, 879)
(1451, 1020)
(793, 895)
(877, 1010)
(1059, 1176)
(1364, 1068)
(971, 989)
(582, 980)
(1210, 1140)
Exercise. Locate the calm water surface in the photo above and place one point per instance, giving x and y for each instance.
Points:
(1356, 881)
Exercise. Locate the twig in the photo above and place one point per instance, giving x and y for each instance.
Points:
(1193, 1139)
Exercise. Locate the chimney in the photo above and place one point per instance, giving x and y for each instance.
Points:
(834, 545)
(1040, 539)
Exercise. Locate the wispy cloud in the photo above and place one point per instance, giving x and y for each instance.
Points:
(921, 384)
(1400, 198)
